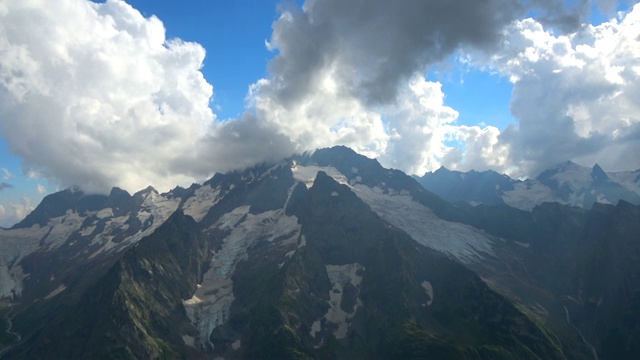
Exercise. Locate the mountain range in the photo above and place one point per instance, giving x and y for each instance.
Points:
(567, 183)
(326, 255)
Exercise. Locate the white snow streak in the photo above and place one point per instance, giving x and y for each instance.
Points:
(429, 289)
(210, 305)
(55, 292)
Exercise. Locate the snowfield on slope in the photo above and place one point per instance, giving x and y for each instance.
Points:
(397, 207)
(202, 200)
(154, 205)
(461, 241)
(307, 174)
(16, 244)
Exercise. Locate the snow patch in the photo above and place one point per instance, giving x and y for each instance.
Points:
(602, 199)
(461, 241)
(236, 344)
(429, 289)
(11, 281)
(303, 242)
(61, 228)
(341, 275)
(315, 328)
(230, 220)
(574, 176)
(188, 340)
(202, 200)
(143, 216)
(55, 292)
(527, 195)
(88, 230)
(105, 213)
(160, 206)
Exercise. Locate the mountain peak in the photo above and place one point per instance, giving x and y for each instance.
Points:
(147, 190)
(598, 175)
(53, 205)
(441, 170)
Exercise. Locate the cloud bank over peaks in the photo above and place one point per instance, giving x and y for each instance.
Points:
(575, 95)
(93, 94)
(353, 74)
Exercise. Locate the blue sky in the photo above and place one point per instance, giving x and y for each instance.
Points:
(234, 35)
(106, 98)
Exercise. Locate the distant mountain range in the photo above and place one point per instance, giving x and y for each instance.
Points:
(567, 183)
(323, 255)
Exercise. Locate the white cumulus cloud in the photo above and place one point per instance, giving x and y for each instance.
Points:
(575, 95)
(94, 95)
(14, 212)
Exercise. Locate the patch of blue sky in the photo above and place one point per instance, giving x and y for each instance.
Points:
(599, 15)
(233, 34)
(481, 98)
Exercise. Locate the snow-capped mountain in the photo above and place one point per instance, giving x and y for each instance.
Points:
(69, 225)
(567, 183)
(322, 255)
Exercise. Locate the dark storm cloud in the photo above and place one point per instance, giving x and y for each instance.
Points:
(378, 44)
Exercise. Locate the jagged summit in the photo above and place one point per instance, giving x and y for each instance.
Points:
(565, 183)
(598, 175)
(149, 189)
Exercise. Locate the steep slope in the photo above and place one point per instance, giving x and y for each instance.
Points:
(474, 187)
(606, 305)
(71, 233)
(579, 186)
(356, 286)
(135, 310)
